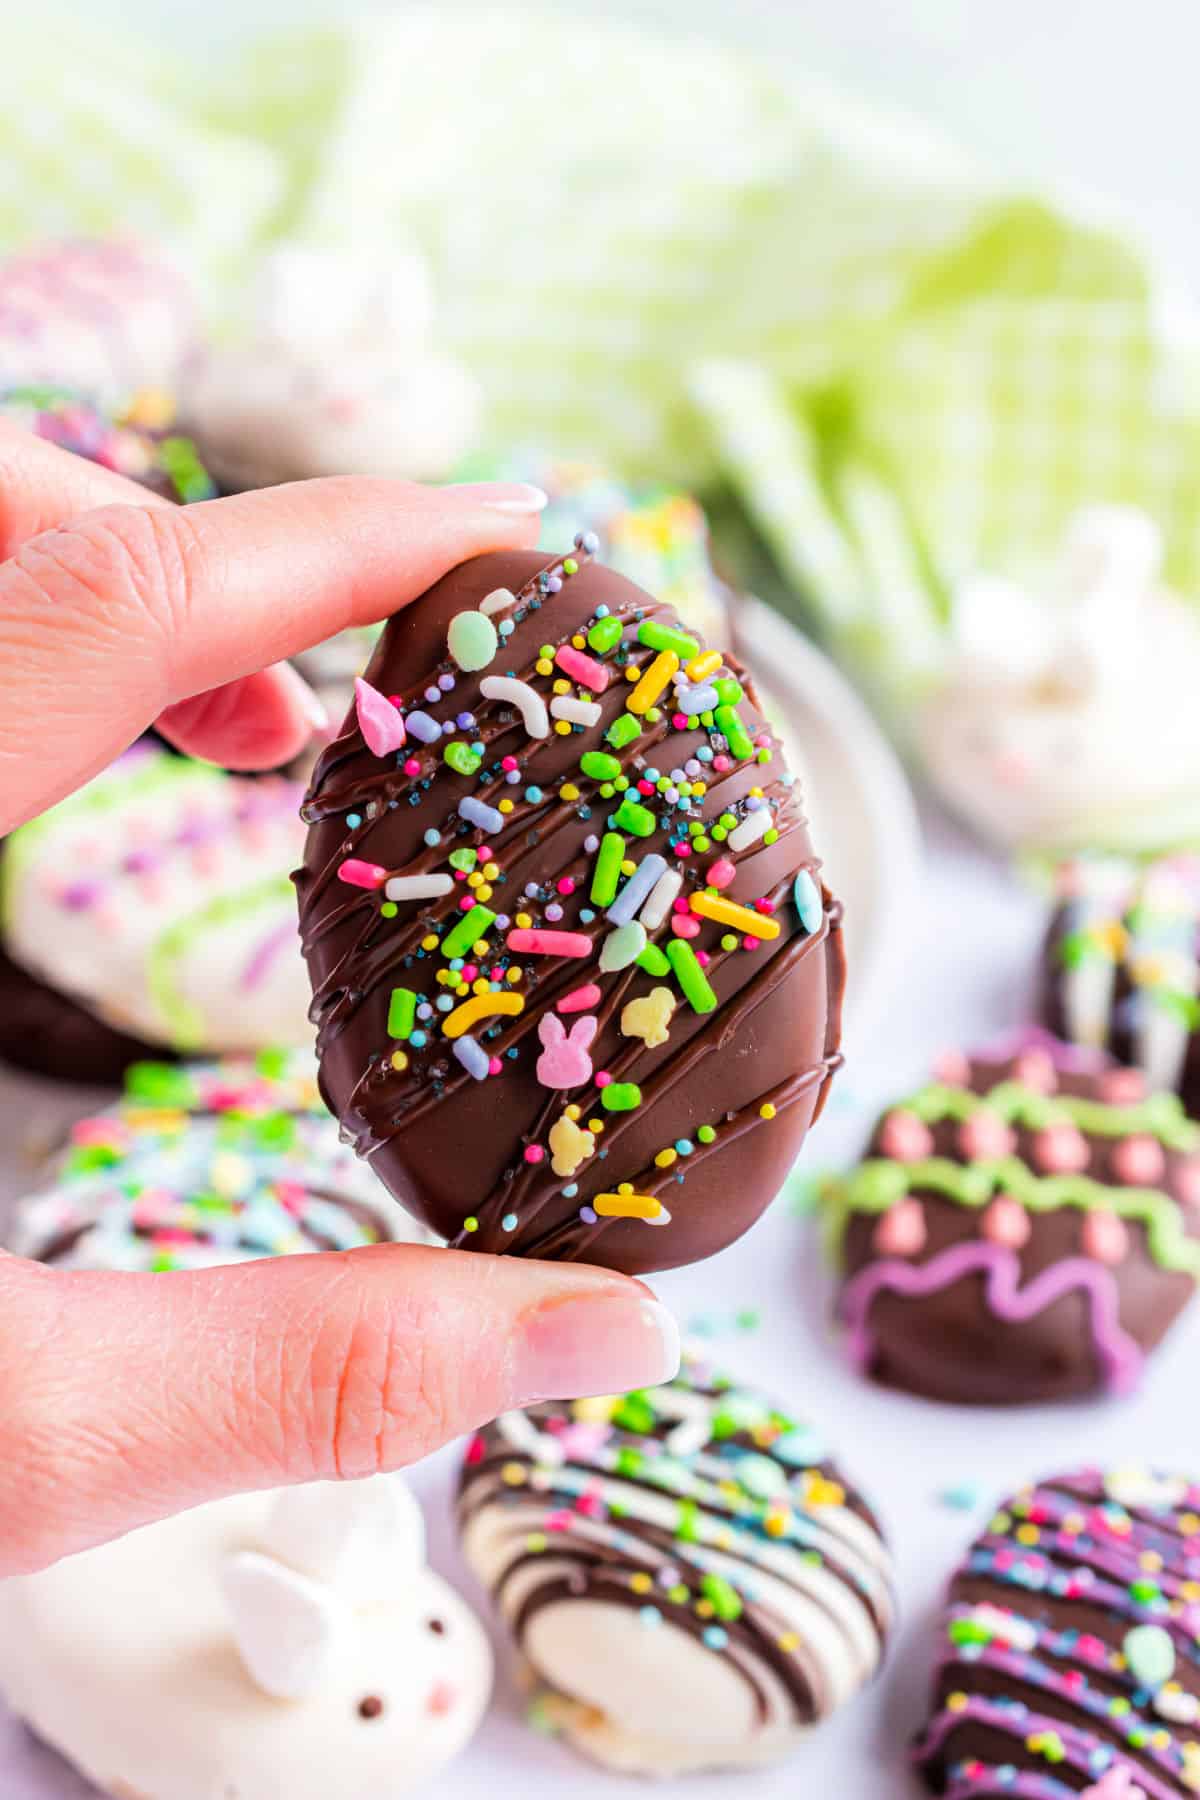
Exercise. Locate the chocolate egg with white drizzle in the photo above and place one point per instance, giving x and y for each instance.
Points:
(691, 1580)
(576, 980)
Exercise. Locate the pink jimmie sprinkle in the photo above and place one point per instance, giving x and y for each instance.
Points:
(1138, 1161)
(534, 1153)
(580, 999)
(719, 874)
(356, 873)
(703, 958)
(381, 725)
(583, 669)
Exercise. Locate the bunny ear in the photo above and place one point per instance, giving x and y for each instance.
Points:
(1110, 547)
(551, 1029)
(1000, 632)
(339, 1532)
(285, 1626)
(584, 1030)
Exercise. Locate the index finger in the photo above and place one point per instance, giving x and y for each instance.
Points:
(112, 616)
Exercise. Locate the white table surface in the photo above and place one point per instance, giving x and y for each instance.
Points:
(973, 945)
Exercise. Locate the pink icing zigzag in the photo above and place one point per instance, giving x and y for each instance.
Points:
(1120, 1357)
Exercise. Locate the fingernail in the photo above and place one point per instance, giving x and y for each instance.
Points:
(520, 497)
(603, 1343)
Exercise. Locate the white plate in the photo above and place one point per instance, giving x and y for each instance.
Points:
(863, 816)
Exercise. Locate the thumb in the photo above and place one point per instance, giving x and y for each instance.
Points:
(127, 1397)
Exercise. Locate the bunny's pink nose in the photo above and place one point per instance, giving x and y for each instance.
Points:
(1011, 768)
(443, 1697)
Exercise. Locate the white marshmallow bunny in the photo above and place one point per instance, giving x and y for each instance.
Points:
(1068, 719)
(273, 1644)
(339, 377)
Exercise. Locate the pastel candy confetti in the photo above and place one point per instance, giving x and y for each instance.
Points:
(649, 1017)
(806, 897)
(473, 1057)
(381, 724)
(482, 1006)
(549, 943)
(472, 640)
(622, 946)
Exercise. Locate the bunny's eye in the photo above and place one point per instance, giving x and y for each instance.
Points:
(437, 1626)
(371, 1707)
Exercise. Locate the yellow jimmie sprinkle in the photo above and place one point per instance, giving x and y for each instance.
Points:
(653, 683)
(626, 1205)
(481, 1006)
(739, 918)
(704, 665)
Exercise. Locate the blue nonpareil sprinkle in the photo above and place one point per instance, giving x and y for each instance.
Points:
(354, 820)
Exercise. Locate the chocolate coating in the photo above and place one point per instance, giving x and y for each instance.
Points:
(453, 1148)
(621, 1538)
(48, 1033)
(1121, 966)
(1069, 1656)
(1019, 1232)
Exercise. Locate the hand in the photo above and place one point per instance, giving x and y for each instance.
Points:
(126, 1397)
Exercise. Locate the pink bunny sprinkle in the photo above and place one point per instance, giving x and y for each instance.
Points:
(565, 1061)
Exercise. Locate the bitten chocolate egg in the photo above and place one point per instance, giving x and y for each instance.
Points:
(576, 980)
(1069, 1660)
(691, 1580)
(1021, 1230)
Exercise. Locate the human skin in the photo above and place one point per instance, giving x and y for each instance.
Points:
(125, 1397)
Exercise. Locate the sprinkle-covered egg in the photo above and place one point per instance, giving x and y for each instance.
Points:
(1069, 1646)
(578, 902)
(690, 1578)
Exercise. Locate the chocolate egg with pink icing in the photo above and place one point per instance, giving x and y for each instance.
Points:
(1024, 1228)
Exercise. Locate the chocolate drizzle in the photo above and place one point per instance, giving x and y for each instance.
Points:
(1070, 1645)
(699, 1508)
(470, 1156)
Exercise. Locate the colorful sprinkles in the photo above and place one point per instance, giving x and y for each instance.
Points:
(573, 944)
